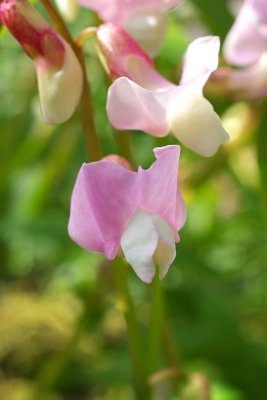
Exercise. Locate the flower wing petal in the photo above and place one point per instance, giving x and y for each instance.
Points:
(194, 122)
(139, 242)
(146, 241)
(165, 252)
(129, 106)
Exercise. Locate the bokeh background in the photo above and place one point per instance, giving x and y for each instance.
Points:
(62, 334)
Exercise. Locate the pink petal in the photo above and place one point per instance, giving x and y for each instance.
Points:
(246, 83)
(130, 106)
(200, 60)
(120, 11)
(158, 188)
(103, 200)
(116, 46)
(244, 44)
(123, 57)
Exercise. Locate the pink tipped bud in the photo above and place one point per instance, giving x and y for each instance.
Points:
(58, 70)
(116, 49)
(33, 33)
(118, 160)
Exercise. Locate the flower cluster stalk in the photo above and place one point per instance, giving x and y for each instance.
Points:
(141, 368)
(86, 106)
(137, 356)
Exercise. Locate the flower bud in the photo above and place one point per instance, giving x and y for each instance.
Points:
(57, 68)
(118, 160)
(117, 49)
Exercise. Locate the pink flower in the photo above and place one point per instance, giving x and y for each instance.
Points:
(58, 70)
(144, 20)
(246, 46)
(247, 40)
(142, 99)
(139, 213)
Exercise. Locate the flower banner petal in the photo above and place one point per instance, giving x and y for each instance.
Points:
(119, 11)
(103, 201)
(200, 60)
(158, 186)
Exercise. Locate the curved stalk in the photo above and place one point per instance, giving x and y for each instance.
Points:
(86, 106)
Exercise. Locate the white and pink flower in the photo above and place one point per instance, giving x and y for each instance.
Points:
(144, 20)
(246, 47)
(114, 210)
(142, 99)
(58, 70)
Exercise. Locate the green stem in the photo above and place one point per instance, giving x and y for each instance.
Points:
(170, 346)
(87, 114)
(261, 139)
(123, 142)
(57, 19)
(137, 356)
(156, 324)
(86, 106)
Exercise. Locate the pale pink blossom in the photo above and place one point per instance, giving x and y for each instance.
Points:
(247, 40)
(58, 70)
(142, 99)
(144, 20)
(246, 47)
(114, 210)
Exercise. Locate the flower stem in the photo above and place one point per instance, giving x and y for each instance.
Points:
(137, 356)
(87, 114)
(156, 324)
(86, 106)
(57, 19)
(122, 140)
(261, 143)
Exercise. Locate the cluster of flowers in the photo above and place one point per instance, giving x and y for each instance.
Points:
(115, 210)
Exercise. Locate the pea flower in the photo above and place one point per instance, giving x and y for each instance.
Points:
(246, 47)
(58, 71)
(114, 210)
(247, 40)
(144, 20)
(142, 99)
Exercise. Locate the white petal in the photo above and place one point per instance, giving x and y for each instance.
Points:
(165, 252)
(148, 29)
(195, 123)
(60, 91)
(148, 239)
(68, 8)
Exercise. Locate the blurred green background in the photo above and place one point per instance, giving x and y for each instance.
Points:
(62, 334)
